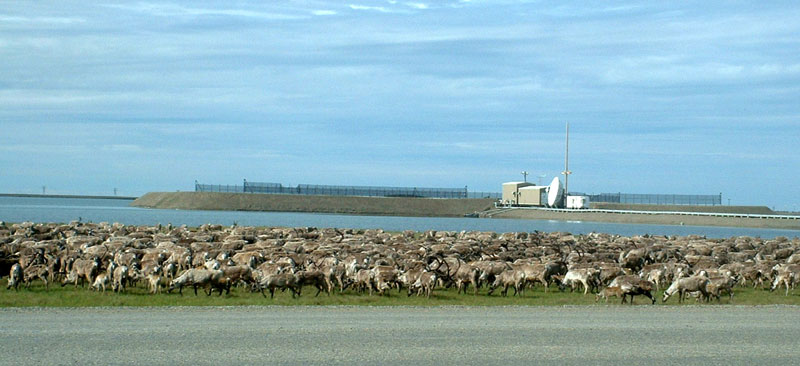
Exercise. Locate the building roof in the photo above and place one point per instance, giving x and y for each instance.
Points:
(534, 187)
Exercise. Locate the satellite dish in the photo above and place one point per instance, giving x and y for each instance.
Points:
(554, 193)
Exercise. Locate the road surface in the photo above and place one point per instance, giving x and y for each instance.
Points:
(598, 335)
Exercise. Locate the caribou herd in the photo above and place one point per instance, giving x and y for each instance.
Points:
(214, 258)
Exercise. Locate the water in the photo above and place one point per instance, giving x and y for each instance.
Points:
(18, 209)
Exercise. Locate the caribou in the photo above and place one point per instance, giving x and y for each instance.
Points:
(215, 257)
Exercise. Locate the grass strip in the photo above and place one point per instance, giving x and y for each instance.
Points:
(69, 296)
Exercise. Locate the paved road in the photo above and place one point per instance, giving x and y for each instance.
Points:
(401, 336)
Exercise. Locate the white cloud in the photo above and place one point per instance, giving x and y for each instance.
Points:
(372, 8)
(775, 69)
(420, 6)
(45, 149)
(622, 8)
(128, 148)
(47, 20)
(689, 71)
(171, 10)
(455, 145)
(19, 97)
(323, 12)
(259, 155)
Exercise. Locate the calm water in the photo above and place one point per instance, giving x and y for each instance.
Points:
(18, 209)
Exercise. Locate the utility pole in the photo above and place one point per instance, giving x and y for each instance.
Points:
(43, 189)
(566, 171)
(524, 176)
(115, 191)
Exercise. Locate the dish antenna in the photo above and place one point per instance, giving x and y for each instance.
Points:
(554, 193)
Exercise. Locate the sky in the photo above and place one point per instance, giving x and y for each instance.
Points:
(679, 97)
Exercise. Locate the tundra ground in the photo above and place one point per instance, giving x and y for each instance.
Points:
(69, 296)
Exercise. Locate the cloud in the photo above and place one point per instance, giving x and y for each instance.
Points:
(382, 9)
(171, 10)
(66, 149)
(420, 6)
(323, 12)
(41, 20)
(676, 71)
(125, 148)
(258, 155)
(370, 8)
(464, 145)
(25, 98)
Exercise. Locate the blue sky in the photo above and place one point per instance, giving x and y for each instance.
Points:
(673, 97)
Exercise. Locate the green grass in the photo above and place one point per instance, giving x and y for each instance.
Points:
(69, 296)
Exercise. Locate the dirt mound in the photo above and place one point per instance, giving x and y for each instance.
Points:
(393, 206)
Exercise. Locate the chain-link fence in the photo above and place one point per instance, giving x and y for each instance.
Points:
(374, 191)
(493, 195)
(269, 188)
(329, 190)
(224, 188)
(658, 199)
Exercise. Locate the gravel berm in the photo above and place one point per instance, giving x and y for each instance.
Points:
(597, 335)
(349, 205)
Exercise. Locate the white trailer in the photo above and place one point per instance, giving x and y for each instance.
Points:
(578, 202)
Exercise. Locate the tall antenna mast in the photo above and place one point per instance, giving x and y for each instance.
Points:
(566, 171)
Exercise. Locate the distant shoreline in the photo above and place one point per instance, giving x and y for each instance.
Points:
(420, 207)
(26, 195)
(428, 207)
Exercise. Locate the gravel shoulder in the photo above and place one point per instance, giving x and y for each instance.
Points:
(660, 219)
(574, 335)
